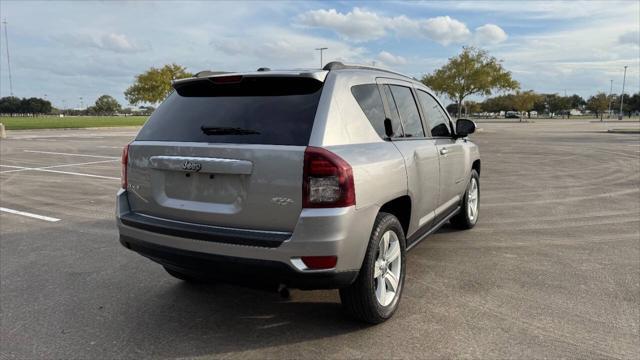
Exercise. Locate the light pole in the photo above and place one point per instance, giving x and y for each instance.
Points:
(321, 49)
(6, 38)
(624, 79)
(610, 91)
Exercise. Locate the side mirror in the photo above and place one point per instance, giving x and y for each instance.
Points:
(464, 127)
(388, 128)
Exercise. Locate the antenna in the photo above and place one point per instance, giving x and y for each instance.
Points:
(6, 39)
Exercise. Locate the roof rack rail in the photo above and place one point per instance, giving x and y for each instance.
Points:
(263, 69)
(205, 73)
(337, 65)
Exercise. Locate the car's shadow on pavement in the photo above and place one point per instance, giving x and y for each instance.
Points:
(206, 319)
(186, 319)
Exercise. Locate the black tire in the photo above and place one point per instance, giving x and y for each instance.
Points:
(359, 299)
(463, 220)
(181, 275)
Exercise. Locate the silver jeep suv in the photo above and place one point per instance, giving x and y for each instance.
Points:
(310, 179)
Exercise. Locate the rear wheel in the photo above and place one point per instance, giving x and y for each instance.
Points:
(375, 294)
(468, 215)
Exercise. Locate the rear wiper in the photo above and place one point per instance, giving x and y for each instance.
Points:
(211, 130)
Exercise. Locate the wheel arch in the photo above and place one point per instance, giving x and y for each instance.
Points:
(399, 207)
(476, 166)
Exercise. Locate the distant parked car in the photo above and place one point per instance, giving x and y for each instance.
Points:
(310, 179)
(512, 115)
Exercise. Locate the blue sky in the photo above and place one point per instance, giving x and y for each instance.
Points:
(72, 49)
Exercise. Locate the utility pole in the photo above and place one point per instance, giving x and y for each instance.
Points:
(321, 49)
(81, 103)
(6, 39)
(624, 79)
(610, 92)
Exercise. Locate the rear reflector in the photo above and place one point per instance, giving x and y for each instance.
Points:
(124, 164)
(320, 262)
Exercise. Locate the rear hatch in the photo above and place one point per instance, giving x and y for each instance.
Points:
(226, 151)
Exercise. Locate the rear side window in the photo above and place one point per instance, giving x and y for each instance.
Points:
(369, 99)
(394, 116)
(437, 120)
(250, 110)
(408, 110)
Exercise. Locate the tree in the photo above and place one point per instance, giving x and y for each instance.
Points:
(452, 109)
(472, 107)
(34, 106)
(471, 72)
(106, 105)
(540, 105)
(10, 105)
(523, 101)
(634, 102)
(576, 102)
(630, 104)
(154, 85)
(598, 103)
(557, 103)
(499, 103)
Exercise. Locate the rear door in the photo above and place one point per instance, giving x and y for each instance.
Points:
(450, 154)
(418, 150)
(226, 151)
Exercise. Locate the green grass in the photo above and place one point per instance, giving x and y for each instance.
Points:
(51, 122)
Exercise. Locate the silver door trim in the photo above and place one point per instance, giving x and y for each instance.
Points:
(442, 208)
(427, 218)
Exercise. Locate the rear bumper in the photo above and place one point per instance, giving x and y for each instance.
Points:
(343, 232)
(250, 272)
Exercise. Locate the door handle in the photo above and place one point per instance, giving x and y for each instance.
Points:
(444, 151)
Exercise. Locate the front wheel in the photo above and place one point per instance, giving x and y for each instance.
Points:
(375, 294)
(468, 215)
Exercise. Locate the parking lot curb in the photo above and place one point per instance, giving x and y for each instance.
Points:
(624, 131)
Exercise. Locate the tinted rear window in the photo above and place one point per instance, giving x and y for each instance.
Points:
(369, 99)
(266, 110)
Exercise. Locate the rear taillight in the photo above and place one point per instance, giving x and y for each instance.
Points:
(123, 169)
(327, 180)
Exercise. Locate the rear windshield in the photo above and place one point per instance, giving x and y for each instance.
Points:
(259, 110)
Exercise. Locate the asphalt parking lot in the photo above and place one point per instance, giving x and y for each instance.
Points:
(551, 270)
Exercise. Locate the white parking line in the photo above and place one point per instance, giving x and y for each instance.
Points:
(22, 168)
(35, 216)
(70, 154)
(79, 174)
(59, 172)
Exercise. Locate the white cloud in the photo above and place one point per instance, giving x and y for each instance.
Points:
(114, 42)
(632, 37)
(536, 10)
(358, 25)
(119, 43)
(388, 58)
(444, 30)
(582, 59)
(363, 25)
(279, 48)
(490, 34)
